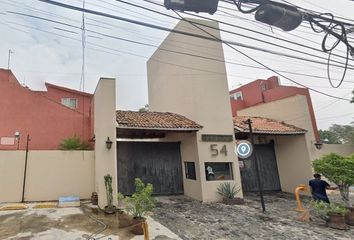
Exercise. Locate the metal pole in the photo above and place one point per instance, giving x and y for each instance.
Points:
(25, 171)
(8, 59)
(260, 188)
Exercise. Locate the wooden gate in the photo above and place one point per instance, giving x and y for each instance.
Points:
(153, 162)
(267, 167)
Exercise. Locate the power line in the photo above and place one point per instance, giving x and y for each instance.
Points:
(259, 49)
(233, 33)
(184, 33)
(176, 31)
(184, 53)
(237, 50)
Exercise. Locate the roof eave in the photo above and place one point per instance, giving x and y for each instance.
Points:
(160, 129)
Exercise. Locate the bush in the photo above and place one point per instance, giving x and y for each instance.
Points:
(339, 170)
(73, 143)
(323, 209)
(227, 191)
(141, 201)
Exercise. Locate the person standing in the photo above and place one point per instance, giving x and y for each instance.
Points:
(318, 188)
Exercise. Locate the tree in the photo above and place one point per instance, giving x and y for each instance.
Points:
(339, 170)
(73, 143)
(329, 137)
(344, 132)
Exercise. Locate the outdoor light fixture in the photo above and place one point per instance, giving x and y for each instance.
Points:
(209, 6)
(318, 145)
(108, 143)
(17, 137)
(279, 15)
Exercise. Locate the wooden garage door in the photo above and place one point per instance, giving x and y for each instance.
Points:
(267, 167)
(154, 162)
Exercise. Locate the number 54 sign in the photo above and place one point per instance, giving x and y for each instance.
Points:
(214, 148)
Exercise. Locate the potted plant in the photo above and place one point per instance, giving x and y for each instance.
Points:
(339, 170)
(138, 204)
(332, 213)
(228, 193)
(110, 208)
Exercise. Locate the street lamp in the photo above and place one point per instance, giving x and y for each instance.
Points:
(209, 6)
(279, 15)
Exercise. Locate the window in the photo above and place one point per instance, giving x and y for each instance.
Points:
(69, 102)
(190, 170)
(237, 96)
(218, 171)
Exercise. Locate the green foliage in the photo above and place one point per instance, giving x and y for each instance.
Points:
(329, 137)
(323, 209)
(339, 170)
(344, 132)
(73, 143)
(227, 191)
(109, 190)
(141, 201)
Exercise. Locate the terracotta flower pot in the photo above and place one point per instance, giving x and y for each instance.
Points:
(137, 226)
(349, 217)
(233, 201)
(336, 221)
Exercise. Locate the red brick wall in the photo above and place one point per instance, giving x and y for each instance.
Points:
(38, 114)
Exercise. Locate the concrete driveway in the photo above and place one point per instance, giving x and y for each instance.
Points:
(75, 223)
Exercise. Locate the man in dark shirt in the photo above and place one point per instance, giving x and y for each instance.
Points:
(318, 188)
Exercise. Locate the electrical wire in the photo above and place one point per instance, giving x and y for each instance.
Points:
(256, 61)
(285, 77)
(233, 33)
(272, 53)
(318, 20)
(193, 55)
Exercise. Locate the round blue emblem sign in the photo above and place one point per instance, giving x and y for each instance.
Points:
(244, 149)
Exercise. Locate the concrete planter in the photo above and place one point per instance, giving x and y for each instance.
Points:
(233, 201)
(349, 217)
(336, 221)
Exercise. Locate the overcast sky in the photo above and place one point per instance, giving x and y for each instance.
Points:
(44, 51)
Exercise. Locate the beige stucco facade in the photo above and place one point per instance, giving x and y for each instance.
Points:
(294, 153)
(195, 88)
(104, 127)
(50, 174)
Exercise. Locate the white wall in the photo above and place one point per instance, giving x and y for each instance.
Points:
(105, 126)
(202, 96)
(50, 174)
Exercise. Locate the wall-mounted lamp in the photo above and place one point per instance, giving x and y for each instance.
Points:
(17, 137)
(318, 145)
(108, 143)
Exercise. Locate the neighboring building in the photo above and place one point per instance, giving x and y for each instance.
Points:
(47, 116)
(265, 91)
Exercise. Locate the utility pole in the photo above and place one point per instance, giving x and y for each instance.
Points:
(25, 170)
(9, 58)
(260, 188)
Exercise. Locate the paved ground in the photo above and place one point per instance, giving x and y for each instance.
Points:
(72, 224)
(194, 220)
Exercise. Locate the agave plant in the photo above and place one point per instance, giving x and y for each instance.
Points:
(226, 190)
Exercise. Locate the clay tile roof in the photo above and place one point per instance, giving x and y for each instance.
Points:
(154, 120)
(266, 126)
